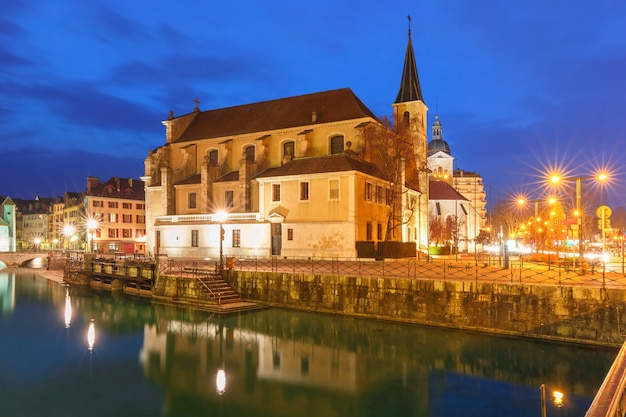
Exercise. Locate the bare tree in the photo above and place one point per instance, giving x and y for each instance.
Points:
(394, 154)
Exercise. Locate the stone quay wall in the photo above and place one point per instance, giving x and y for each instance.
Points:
(560, 313)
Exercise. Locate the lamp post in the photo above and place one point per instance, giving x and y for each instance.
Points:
(68, 231)
(220, 217)
(555, 179)
(92, 225)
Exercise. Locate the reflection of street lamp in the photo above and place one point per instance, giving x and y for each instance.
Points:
(91, 335)
(68, 309)
(558, 399)
(555, 179)
(220, 217)
(220, 381)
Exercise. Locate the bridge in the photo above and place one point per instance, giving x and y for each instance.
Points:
(18, 259)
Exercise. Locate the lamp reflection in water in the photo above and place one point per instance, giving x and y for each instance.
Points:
(68, 309)
(91, 335)
(220, 381)
(558, 399)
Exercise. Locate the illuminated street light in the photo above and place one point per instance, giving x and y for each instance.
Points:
(556, 179)
(92, 225)
(220, 217)
(68, 231)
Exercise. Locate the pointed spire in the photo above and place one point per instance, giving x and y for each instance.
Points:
(410, 84)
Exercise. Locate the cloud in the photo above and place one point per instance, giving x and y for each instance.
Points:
(29, 172)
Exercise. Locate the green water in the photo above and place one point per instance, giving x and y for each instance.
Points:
(156, 360)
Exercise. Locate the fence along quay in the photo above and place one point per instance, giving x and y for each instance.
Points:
(526, 299)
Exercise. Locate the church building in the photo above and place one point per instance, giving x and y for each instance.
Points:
(457, 197)
(299, 176)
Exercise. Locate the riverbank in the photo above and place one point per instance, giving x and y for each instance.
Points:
(53, 275)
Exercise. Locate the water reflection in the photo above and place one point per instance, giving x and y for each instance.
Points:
(91, 335)
(156, 359)
(68, 309)
(293, 363)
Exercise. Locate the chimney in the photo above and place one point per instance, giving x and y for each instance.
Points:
(314, 117)
(92, 182)
(130, 182)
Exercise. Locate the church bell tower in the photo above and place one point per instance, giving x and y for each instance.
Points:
(410, 115)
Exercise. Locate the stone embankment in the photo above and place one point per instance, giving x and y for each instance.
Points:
(559, 313)
(578, 314)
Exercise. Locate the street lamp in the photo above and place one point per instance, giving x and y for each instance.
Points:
(556, 179)
(220, 217)
(68, 231)
(92, 225)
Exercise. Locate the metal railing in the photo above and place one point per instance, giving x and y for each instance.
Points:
(492, 269)
(610, 398)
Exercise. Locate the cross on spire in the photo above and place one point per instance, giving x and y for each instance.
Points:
(409, 18)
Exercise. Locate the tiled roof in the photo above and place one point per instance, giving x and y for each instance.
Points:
(116, 187)
(322, 164)
(231, 176)
(328, 106)
(441, 190)
(193, 179)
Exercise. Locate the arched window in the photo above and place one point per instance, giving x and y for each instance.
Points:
(407, 119)
(289, 149)
(336, 144)
(213, 158)
(249, 151)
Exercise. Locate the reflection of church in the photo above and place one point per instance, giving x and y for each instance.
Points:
(454, 194)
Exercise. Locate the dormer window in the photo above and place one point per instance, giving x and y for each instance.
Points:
(213, 158)
(249, 152)
(336, 145)
(288, 149)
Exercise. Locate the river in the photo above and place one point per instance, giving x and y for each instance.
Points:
(72, 351)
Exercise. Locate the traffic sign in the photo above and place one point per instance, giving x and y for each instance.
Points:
(604, 212)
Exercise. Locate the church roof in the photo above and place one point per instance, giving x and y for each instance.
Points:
(437, 145)
(322, 164)
(8, 202)
(410, 89)
(441, 190)
(323, 107)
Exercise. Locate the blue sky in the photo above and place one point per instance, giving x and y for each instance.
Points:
(519, 86)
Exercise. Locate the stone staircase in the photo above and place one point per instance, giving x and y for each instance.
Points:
(218, 288)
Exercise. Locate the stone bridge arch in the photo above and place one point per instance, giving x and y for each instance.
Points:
(20, 259)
